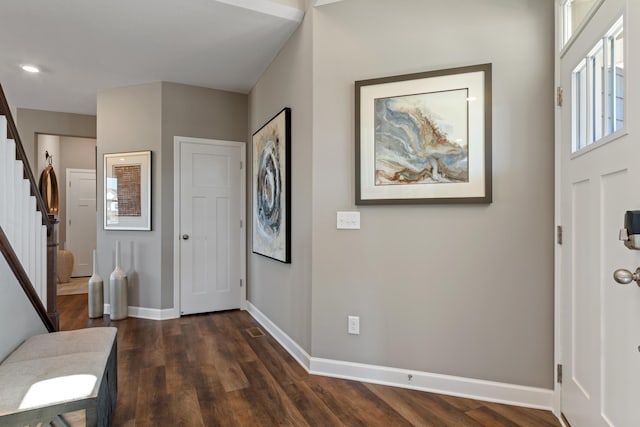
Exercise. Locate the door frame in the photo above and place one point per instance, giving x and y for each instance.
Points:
(177, 144)
(557, 218)
(558, 286)
(68, 201)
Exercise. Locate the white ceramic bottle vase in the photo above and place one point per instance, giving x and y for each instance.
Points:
(96, 292)
(118, 290)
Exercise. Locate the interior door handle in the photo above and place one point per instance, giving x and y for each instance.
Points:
(624, 277)
(185, 237)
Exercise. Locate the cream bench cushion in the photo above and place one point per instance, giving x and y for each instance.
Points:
(60, 372)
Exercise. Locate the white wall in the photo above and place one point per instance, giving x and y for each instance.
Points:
(75, 153)
(130, 119)
(201, 113)
(17, 315)
(44, 144)
(283, 291)
(147, 117)
(32, 122)
(464, 290)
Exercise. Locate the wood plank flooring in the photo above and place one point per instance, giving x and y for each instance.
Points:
(212, 370)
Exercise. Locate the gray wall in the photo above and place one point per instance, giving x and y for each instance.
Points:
(460, 289)
(147, 117)
(18, 318)
(130, 119)
(30, 122)
(195, 112)
(283, 291)
(75, 153)
(456, 289)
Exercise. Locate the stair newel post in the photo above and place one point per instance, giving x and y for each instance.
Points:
(52, 270)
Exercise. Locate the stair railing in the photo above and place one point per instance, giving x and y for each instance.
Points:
(49, 315)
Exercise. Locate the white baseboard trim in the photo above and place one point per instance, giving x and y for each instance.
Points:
(490, 391)
(147, 313)
(297, 352)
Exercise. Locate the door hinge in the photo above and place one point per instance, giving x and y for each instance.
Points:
(240, 282)
(559, 96)
(240, 223)
(559, 373)
(559, 234)
(69, 223)
(69, 184)
(240, 165)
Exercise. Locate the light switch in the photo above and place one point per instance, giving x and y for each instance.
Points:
(348, 220)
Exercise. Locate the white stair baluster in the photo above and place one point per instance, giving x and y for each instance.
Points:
(43, 264)
(25, 223)
(32, 227)
(20, 218)
(3, 168)
(38, 253)
(10, 151)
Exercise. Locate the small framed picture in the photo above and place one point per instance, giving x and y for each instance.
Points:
(127, 191)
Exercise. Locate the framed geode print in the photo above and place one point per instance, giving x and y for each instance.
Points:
(424, 137)
(127, 191)
(272, 188)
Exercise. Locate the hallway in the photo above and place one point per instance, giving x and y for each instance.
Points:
(219, 369)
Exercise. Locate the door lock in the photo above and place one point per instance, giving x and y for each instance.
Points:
(185, 237)
(624, 277)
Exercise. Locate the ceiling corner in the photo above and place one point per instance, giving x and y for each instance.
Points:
(291, 10)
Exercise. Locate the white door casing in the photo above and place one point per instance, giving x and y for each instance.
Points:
(81, 219)
(598, 321)
(209, 250)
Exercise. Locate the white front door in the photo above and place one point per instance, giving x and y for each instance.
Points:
(599, 149)
(81, 219)
(210, 218)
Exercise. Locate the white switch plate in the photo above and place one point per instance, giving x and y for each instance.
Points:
(348, 220)
(354, 325)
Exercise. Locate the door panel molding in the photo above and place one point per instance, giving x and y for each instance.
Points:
(178, 141)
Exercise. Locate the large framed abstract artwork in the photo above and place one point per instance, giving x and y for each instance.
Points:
(127, 191)
(272, 188)
(424, 137)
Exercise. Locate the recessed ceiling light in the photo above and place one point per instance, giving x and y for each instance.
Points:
(30, 68)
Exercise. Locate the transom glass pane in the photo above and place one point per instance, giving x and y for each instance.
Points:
(598, 89)
(615, 67)
(574, 12)
(596, 60)
(580, 107)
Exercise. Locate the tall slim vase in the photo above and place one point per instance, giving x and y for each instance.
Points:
(96, 292)
(118, 290)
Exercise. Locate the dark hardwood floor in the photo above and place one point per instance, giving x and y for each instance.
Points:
(212, 370)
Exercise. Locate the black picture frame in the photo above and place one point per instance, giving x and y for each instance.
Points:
(271, 188)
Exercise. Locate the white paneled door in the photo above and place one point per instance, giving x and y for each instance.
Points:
(599, 148)
(81, 219)
(210, 224)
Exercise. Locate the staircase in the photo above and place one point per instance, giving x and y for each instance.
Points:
(27, 233)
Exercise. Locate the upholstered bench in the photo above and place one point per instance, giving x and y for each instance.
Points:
(57, 373)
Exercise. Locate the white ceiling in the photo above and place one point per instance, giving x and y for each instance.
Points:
(84, 46)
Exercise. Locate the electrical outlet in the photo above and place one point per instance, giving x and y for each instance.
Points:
(354, 325)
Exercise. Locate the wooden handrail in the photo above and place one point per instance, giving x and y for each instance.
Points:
(21, 275)
(50, 221)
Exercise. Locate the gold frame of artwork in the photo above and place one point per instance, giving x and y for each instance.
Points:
(127, 191)
(424, 137)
